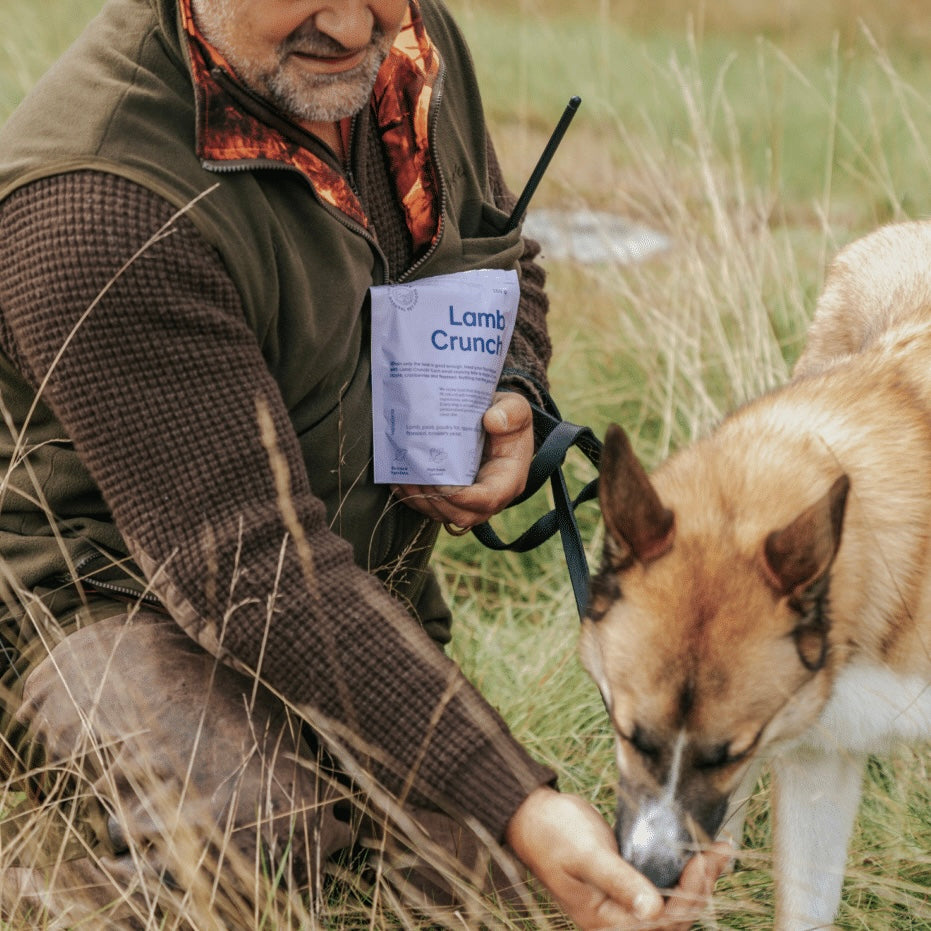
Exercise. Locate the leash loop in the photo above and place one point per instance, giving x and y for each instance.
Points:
(555, 437)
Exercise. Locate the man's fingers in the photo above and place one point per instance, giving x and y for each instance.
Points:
(502, 475)
(697, 883)
(495, 420)
(439, 503)
(627, 891)
(464, 506)
(510, 413)
(432, 493)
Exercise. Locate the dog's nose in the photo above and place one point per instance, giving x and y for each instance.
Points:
(662, 871)
(654, 841)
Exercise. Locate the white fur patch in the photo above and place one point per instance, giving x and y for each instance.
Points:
(657, 828)
(871, 708)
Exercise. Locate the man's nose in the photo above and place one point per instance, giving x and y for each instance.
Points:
(349, 22)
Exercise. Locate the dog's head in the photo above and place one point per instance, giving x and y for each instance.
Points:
(709, 639)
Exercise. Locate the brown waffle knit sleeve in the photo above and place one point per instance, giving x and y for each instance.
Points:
(158, 386)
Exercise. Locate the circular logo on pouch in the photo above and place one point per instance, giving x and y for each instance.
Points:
(402, 297)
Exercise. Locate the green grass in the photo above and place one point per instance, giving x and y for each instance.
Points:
(32, 35)
(759, 139)
(817, 122)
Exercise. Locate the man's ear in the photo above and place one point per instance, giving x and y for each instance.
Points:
(639, 527)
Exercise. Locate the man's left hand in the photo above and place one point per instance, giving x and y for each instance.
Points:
(501, 477)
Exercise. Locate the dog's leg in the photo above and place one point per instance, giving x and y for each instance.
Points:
(815, 799)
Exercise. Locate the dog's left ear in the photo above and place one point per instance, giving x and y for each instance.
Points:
(799, 555)
(637, 523)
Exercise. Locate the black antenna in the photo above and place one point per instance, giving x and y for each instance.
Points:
(520, 208)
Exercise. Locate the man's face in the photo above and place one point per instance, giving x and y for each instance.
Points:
(314, 59)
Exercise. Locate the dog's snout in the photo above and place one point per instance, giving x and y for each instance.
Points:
(655, 842)
(664, 873)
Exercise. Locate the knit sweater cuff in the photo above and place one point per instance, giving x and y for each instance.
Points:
(495, 792)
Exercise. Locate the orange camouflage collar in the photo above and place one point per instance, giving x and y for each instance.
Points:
(400, 101)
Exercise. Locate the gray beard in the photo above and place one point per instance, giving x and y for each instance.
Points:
(321, 98)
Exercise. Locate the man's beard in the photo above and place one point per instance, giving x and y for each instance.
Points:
(316, 98)
(322, 98)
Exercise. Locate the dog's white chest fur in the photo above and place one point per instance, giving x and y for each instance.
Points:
(870, 709)
(817, 783)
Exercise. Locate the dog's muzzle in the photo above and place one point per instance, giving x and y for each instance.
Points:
(654, 841)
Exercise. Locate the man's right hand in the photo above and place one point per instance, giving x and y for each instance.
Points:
(571, 849)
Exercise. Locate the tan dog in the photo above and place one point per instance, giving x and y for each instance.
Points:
(768, 593)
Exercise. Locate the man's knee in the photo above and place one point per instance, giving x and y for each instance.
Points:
(176, 748)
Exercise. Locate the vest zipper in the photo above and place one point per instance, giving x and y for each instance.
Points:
(108, 587)
(440, 178)
(351, 158)
(132, 594)
(234, 166)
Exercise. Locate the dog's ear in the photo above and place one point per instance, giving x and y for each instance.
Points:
(638, 525)
(799, 555)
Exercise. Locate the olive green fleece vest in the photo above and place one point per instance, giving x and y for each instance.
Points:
(301, 268)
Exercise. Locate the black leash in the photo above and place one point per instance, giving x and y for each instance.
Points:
(555, 437)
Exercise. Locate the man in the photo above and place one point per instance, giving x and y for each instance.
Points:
(193, 204)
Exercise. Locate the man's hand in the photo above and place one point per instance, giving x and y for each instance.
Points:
(501, 477)
(570, 848)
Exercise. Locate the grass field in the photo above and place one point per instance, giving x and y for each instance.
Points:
(759, 138)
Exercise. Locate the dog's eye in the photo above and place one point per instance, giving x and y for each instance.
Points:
(718, 757)
(641, 743)
(728, 753)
